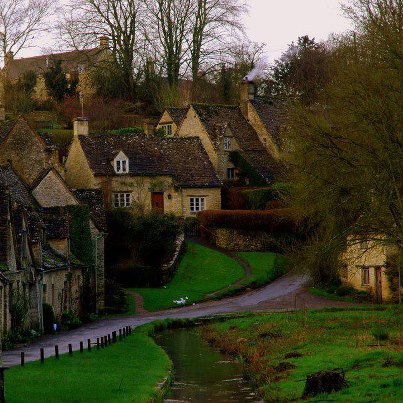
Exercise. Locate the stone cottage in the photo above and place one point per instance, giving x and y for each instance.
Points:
(44, 235)
(133, 171)
(170, 120)
(366, 265)
(76, 64)
(251, 128)
(223, 129)
(34, 158)
(20, 277)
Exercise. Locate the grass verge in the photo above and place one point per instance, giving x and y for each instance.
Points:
(201, 272)
(265, 267)
(126, 371)
(318, 340)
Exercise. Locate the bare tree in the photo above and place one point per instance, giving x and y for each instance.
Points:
(84, 21)
(171, 20)
(20, 21)
(214, 25)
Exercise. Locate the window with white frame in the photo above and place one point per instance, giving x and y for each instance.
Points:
(227, 143)
(365, 276)
(230, 173)
(121, 163)
(197, 203)
(167, 129)
(122, 199)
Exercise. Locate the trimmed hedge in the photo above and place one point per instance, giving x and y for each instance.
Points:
(256, 220)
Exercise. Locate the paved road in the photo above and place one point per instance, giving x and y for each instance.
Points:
(285, 293)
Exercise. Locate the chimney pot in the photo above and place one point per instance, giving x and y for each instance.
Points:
(104, 42)
(81, 127)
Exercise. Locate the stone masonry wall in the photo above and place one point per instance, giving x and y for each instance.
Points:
(238, 240)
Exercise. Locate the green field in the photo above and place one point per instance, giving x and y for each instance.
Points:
(127, 371)
(265, 267)
(325, 340)
(201, 272)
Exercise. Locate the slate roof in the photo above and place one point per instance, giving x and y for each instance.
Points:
(182, 158)
(270, 113)
(177, 114)
(93, 198)
(16, 68)
(217, 118)
(18, 191)
(5, 128)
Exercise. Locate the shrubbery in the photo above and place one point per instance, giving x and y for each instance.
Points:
(138, 245)
(255, 220)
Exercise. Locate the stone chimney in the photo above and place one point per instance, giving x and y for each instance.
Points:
(81, 127)
(149, 128)
(103, 42)
(246, 94)
(2, 113)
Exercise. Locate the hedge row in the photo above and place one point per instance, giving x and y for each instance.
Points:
(258, 220)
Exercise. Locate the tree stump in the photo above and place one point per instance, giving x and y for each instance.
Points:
(324, 382)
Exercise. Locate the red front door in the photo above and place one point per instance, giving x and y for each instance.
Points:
(157, 201)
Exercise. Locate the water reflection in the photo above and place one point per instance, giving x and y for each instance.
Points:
(202, 374)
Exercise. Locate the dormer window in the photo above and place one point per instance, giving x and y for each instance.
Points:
(167, 129)
(227, 143)
(121, 163)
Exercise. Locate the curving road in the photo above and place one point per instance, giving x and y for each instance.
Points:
(286, 293)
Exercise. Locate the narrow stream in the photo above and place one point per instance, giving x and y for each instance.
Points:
(201, 373)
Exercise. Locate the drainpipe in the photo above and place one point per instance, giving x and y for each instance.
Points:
(41, 303)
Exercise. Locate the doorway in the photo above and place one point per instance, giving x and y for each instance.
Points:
(157, 201)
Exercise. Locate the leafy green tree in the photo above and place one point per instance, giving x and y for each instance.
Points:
(301, 72)
(57, 84)
(346, 151)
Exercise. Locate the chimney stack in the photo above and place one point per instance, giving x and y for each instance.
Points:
(81, 127)
(149, 129)
(104, 42)
(247, 92)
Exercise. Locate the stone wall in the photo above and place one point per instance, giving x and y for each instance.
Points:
(240, 240)
(191, 127)
(78, 172)
(58, 293)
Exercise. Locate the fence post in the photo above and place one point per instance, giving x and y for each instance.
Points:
(42, 355)
(120, 334)
(114, 336)
(57, 352)
(70, 349)
(81, 347)
(97, 343)
(22, 358)
(102, 342)
(109, 339)
(89, 344)
(2, 387)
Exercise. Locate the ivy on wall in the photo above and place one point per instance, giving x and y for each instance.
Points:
(245, 170)
(80, 234)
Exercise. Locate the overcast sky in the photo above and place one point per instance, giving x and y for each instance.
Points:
(279, 22)
(275, 22)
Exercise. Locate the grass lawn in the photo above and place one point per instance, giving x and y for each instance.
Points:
(118, 373)
(265, 267)
(201, 271)
(325, 339)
